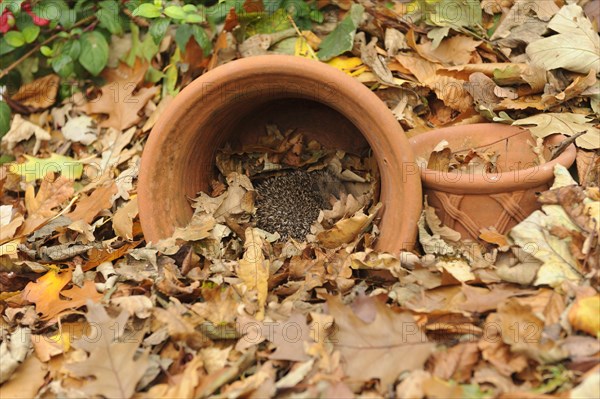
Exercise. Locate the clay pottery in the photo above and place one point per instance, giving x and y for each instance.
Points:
(468, 202)
(234, 102)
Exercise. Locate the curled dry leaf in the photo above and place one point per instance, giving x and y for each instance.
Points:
(583, 315)
(20, 130)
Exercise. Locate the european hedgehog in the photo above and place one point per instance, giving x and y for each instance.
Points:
(289, 204)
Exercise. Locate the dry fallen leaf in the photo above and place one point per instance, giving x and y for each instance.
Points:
(90, 206)
(390, 344)
(20, 130)
(123, 219)
(576, 47)
(40, 207)
(46, 293)
(39, 94)
(119, 99)
(347, 230)
(253, 269)
(112, 359)
(584, 315)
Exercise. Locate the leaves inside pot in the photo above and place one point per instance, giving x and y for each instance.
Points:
(443, 159)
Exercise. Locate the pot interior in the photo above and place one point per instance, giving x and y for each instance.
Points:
(246, 121)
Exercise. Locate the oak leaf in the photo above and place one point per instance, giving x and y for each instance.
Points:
(40, 206)
(390, 344)
(112, 360)
(117, 98)
(46, 293)
(90, 206)
(576, 47)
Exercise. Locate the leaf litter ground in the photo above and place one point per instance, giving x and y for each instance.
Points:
(223, 309)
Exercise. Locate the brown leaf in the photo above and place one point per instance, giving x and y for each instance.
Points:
(391, 344)
(40, 207)
(26, 381)
(90, 206)
(39, 94)
(497, 352)
(440, 160)
(112, 361)
(493, 237)
(123, 219)
(117, 98)
(457, 363)
(449, 90)
(573, 90)
(290, 337)
(480, 300)
(456, 50)
(46, 291)
(98, 256)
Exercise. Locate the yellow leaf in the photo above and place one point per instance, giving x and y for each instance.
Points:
(305, 44)
(37, 168)
(353, 66)
(47, 290)
(584, 315)
(253, 269)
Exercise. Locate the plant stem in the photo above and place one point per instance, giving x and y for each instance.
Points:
(310, 50)
(28, 54)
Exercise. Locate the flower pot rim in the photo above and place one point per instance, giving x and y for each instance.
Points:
(351, 99)
(462, 183)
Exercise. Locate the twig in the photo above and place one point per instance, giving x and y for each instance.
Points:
(141, 22)
(310, 50)
(559, 149)
(28, 54)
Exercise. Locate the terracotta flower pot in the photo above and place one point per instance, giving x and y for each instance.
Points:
(234, 102)
(467, 201)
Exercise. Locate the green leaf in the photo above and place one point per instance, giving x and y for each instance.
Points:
(158, 29)
(94, 52)
(14, 38)
(56, 11)
(108, 15)
(5, 48)
(63, 65)
(153, 75)
(129, 59)
(4, 118)
(182, 35)
(175, 12)
(37, 168)
(147, 10)
(31, 33)
(12, 5)
(72, 49)
(148, 48)
(317, 16)
(190, 8)
(194, 18)
(342, 38)
(46, 51)
(202, 39)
